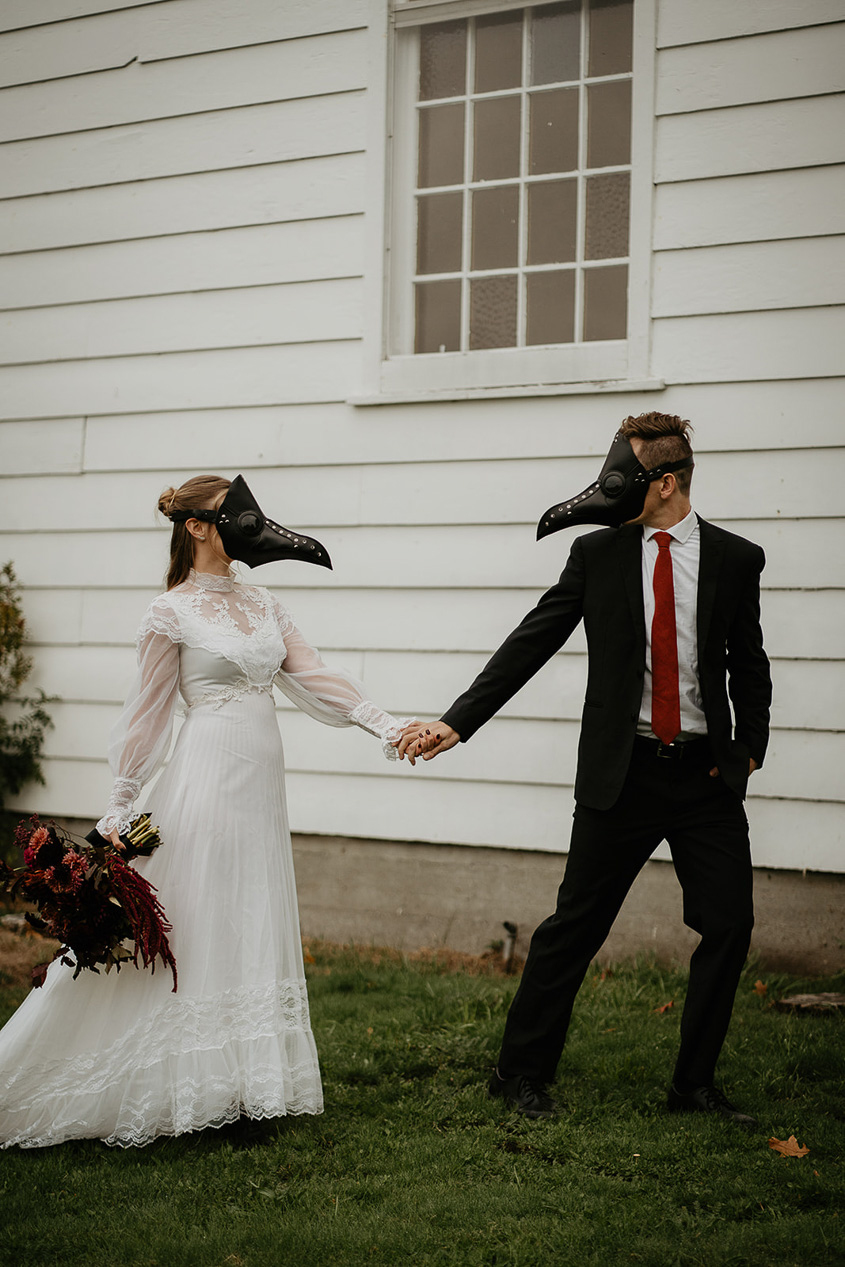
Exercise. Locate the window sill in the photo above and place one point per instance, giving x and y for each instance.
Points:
(414, 396)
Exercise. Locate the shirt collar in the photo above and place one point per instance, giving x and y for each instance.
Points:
(681, 531)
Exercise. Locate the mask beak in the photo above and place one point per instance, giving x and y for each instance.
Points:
(248, 535)
(617, 496)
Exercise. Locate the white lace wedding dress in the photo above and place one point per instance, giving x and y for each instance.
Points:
(119, 1057)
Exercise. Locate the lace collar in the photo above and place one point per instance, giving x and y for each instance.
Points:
(211, 581)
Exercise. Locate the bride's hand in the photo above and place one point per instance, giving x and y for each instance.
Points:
(116, 841)
(426, 741)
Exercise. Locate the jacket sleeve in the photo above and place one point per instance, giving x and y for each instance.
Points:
(749, 676)
(534, 641)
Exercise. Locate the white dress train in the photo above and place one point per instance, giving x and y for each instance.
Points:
(119, 1057)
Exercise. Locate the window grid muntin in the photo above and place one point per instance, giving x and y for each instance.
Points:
(580, 174)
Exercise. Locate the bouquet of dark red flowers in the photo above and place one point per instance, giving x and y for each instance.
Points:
(89, 898)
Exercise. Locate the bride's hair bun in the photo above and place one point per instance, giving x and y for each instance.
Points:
(165, 502)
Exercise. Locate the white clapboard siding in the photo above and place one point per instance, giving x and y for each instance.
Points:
(309, 188)
(797, 483)
(800, 625)
(112, 40)
(807, 694)
(301, 250)
(754, 208)
(773, 67)
(754, 138)
(213, 81)
(414, 802)
(727, 417)
(54, 445)
(800, 273)
(297, 312)
(221, 139)
(471, 557)
(691, 22)
(21, 13)
(780, 344)
(181, 380)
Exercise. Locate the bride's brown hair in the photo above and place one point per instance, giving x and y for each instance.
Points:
(199, 493)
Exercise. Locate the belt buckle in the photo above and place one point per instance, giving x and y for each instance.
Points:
(666, 751)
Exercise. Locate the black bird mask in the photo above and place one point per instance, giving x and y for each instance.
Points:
(617, 496)
(247, 534)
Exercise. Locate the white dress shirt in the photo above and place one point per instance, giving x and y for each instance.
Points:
(685, 550)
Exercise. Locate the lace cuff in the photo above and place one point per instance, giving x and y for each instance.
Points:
(118, 814)
(384, 726)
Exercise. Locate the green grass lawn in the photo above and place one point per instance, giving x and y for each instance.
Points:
(411, 1162)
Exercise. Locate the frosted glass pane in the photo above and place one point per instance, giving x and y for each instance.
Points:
(556, 43)
(496, 135)
(551, 307)
(553, 143)
(443, 58)
(441, 158)
(438, 306)
(439, 220)
(498, 52)
(609, 124)
(552, 221)
(611, 36)
(606, 302)
(495, 223)
(492, 313)
(607, 216)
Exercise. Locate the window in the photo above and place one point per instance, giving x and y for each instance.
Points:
(513, 215)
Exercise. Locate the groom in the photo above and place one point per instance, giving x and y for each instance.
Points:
(671, 610)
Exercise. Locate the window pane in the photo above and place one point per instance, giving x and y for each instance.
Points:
(551, 307)
(492, 313)
(607, 216)
(438, 316)
(611, 36)
(498, 52)
(496, 138)
(443, 58)
(441, 160)
(552, 220)
(555, 43)
(606, 302)
(495, 218)
(439, 218)
(553, 145)
(609, 124)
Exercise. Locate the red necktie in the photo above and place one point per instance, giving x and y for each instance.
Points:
(665, 701)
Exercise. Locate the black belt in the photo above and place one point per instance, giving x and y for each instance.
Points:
(681, 749)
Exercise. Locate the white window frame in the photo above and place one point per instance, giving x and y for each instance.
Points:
(618, 365)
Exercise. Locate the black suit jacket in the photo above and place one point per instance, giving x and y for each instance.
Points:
(602, 584)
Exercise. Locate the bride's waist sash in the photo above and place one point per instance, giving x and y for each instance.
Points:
(215, 697)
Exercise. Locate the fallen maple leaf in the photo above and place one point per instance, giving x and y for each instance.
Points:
(664, 1008)
(788, 1147)
(760, 987)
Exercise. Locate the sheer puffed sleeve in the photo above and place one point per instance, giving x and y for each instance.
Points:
(140, 740)
(331, 696)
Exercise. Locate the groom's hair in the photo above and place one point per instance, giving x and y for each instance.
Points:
(665, 439)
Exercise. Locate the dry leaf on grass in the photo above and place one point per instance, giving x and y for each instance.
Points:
(664, 1008)
(760, 987)
(788, 1147)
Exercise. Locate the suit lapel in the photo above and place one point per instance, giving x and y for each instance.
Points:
(709, 567)
(629, 543)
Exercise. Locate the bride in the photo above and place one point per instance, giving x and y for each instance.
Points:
(120, 1057)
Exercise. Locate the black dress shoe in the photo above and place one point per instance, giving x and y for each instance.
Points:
(527, 1097)
(707, 1100)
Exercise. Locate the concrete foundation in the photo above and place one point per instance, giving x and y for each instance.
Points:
(415, 895)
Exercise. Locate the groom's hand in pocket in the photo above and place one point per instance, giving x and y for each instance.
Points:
(426, 740)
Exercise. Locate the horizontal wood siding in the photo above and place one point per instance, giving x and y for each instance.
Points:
(183, 200)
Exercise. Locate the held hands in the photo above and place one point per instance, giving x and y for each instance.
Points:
(425, 741)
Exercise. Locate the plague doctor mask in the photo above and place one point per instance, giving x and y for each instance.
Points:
(248, 535)
(616, 497)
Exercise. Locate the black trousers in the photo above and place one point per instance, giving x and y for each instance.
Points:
(705, 825)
